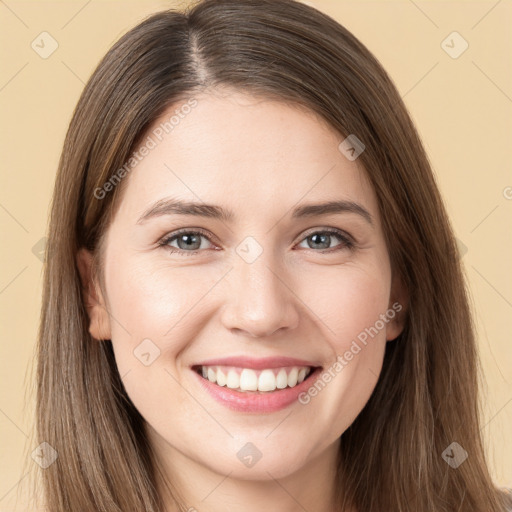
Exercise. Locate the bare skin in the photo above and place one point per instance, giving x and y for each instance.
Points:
(298, 298)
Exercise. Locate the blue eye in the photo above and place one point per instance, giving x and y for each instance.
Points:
(189, 242)
(323, 238)
(186, 239)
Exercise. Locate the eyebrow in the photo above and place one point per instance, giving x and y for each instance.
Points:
(177, 207)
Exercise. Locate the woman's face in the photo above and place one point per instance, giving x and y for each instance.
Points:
(268, 279)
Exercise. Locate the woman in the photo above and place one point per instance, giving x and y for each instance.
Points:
(197, 350)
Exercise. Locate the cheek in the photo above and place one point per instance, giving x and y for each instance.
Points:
(361, 327)
(349, 300)
(352, 313)
(155, 300)
(154, 318)
(156, 309)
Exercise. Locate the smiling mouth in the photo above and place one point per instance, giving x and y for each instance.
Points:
(249, 380)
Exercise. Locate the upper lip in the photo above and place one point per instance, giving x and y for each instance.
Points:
(257, 363)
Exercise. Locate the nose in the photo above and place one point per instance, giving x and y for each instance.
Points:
(260, 301)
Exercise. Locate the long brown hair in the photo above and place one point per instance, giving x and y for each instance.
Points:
(390, 458)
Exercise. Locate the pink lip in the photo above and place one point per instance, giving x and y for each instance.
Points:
(257, 364)
(254, 401)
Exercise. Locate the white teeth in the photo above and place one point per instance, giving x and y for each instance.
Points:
(281, 379)
(221, 378)
(233, 381)
(247, 379)
(267, 381)
(292, 377)
(212, 375)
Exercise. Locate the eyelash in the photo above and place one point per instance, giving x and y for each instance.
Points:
(347, 242)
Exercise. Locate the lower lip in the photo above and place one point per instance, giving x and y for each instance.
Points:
(254, 401)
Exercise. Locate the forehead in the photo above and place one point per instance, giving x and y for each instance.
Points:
(244, 152)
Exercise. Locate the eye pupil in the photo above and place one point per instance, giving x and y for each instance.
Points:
(324, 244)
(189, 241)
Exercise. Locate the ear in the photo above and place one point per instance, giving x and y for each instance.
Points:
(397, 308)
(99, 319)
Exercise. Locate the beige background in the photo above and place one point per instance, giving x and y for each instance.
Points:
(462, 107)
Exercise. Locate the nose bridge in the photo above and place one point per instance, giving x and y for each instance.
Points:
(260, 303)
